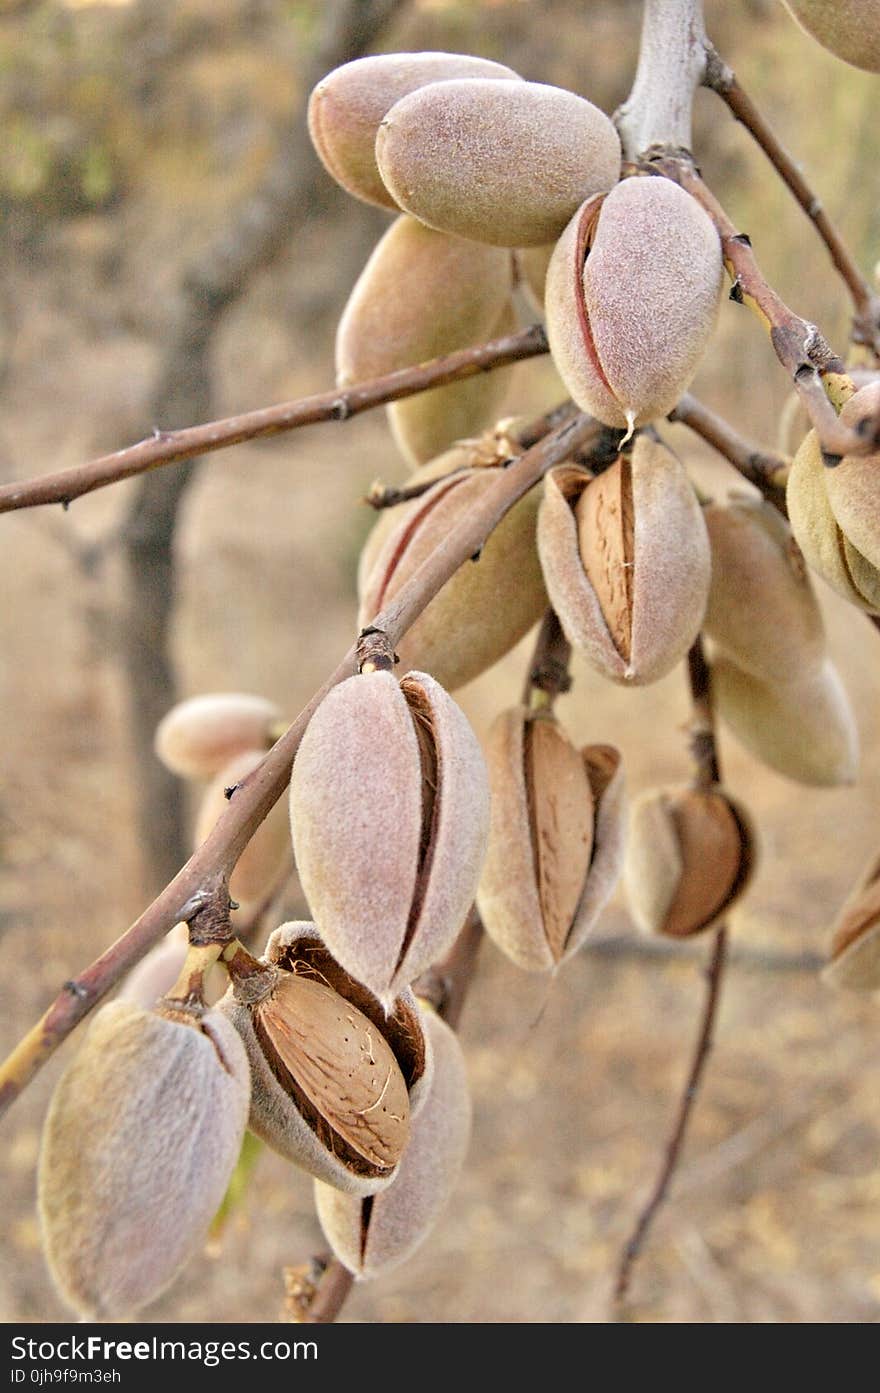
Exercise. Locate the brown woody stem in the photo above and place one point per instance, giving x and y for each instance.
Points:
(812, 365)
(169, 447)
(764, 468)
(211, 864)
(706, 775)
(866, 322)
(548, 670)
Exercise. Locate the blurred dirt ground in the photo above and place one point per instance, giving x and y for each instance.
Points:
(775, 1213)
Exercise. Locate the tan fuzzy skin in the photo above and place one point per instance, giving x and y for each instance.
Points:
(273, 1115)
(508, 896)
(852, 485)
(422, 293)
(488, 604)
(401, 1217)
(762, 611)
(500, 162)
(850, 29)
(652, 866)
(650, 289)
(267, 854)
(142, 1135)
(355, 803)
(818, 534)
(199, 736)
(671, 567)
(347, 105)
(804, 730)
(428, 423)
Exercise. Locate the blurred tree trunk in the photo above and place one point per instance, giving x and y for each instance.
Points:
(294, 189)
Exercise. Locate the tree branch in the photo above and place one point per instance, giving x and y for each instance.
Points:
(214, 860)
(814, 368)
(707, 775)
(764, 468)
(721, 79)
(169, 447)
(672, 62)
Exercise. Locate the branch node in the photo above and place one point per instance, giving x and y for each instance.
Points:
(340, 410)
(76, 990)
(374, 651)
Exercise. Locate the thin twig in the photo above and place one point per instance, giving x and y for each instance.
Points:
(548, 671)
(213, 861)
(766, 469)
(707, 775)
(169, 447)
(723, 80)
(813, 366)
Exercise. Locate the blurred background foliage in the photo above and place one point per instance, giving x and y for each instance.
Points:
(143, 283)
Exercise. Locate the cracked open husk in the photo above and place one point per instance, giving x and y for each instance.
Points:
(198, 736)
(803, 729)
(690, 854)
(373, 1236)
(555, 841)
(626, 561)
(762, 611)
(347, 105)
(143, 1132)
(631, 298)
(336, 1078)
(489, 603)
(389, 807)
(500, 162)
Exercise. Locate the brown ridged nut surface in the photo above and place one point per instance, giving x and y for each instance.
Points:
(803, 729)
(762, 609)
(198, 736)
(690, 854)
(372, 1237)
(389, 807)
(142, 1135)
(631, 298)
(500, 162)
(626, 561)
(555, 840)
(347, 105)
(336, 1077)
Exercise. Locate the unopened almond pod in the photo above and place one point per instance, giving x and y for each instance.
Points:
(826, 548)
(500, 162)
(804, 729)
(267, 854)
(555, 841)
(626, 562)
(429, 422)
(762, 611)
(690, 854)
(421, 293)
(336, 1077)
(143, 1132)
(852, 485)
(347, 105)
(850, 29)
(373, 1236)
(198, 736)
(488, 604)
(855, 942)
(631, 297)
(389, 808)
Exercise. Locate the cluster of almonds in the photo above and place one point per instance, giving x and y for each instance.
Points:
(321, 1047)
